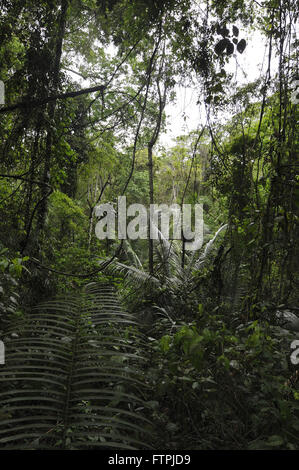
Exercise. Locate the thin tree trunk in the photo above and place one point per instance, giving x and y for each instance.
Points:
(51, 113)
(151, 144)
(151, 198)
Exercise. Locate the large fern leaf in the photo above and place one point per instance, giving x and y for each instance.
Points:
(73, 377)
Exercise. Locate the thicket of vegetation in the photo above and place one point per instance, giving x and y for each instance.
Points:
(121, 344)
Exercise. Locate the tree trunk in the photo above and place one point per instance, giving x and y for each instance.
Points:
(43, 207)
(151, 198)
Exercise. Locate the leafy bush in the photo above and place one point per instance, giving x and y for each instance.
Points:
(225, 389)
(11, 268)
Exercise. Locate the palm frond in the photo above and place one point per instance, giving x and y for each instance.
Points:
(131, 272)
(132, 255)
(204, 256)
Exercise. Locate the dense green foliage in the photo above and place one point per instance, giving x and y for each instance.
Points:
(142, 344)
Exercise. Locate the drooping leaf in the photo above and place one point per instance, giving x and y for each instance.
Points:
(221, 46)
(241, 46)
(235, 31)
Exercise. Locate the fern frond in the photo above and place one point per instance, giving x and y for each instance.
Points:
(72, 378)
(203, 258)
(131, 272)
